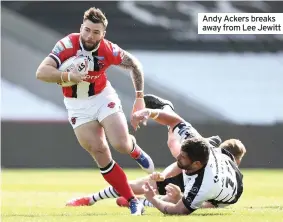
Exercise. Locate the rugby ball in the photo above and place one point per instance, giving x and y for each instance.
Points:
(76, 64)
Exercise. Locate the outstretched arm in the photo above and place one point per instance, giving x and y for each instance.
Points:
(161, 116)
(131, 63)
(165, 207)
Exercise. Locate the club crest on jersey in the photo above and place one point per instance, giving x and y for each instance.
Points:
(74, 120)
(111, 105)
(100, 64)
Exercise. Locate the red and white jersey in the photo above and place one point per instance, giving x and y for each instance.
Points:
(100, 59)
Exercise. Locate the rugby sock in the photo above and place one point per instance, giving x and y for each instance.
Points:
(136, 151)
(167, 108)
(116, 177)
(108, 192)
(146, 203)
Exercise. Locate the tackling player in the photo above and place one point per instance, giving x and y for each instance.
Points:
(172, 186)
(210, 175)
(94, 108)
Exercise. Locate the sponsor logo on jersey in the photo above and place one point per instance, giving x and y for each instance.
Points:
(194, 190)
(189, 199)
(116, 50)
(90, 77)
(67, 42)
(100, 57)
(216, 179)
(58, 48)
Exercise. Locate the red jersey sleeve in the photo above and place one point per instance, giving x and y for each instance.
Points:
(115, 53)
(63, 50)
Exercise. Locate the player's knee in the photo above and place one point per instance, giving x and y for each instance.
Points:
(123, 145)
(94, 148)
(98, 149)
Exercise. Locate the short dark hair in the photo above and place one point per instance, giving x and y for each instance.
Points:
(95, 15)
(197, 149)
(234, 146)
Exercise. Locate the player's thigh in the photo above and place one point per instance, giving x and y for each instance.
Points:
(82, 115)
(91, 136)
(116, 130)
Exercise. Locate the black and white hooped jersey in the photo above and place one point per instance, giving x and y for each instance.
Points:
(219, 182)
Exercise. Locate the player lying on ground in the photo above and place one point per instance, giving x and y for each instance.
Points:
(210, 175)
(171, 186)
(94, 108)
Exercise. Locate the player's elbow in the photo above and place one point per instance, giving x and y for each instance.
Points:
(40, 74)
(138, 65)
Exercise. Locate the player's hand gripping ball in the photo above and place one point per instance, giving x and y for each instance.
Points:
(78, 67)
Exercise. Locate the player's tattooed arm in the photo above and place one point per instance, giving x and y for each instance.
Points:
(131, 63)
(170, 208)
(165, 211)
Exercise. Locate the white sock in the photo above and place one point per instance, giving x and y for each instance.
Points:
(146, 203)
(107, 193)
(168, 108)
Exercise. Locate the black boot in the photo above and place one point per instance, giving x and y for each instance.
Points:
(155, 102)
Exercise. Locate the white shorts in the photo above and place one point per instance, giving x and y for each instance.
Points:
(97, 107)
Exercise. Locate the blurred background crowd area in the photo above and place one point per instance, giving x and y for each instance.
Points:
(230, 85)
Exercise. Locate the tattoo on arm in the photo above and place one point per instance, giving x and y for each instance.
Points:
(131, 63)
(165, 211)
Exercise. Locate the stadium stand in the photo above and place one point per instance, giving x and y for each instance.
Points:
(135, 24)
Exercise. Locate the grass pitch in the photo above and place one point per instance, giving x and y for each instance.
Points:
(40, 195)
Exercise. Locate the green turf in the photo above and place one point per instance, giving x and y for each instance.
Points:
(40, 195)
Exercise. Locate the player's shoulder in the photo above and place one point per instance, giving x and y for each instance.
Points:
(70, 41)
(110, 47)
(65, 48)
(74, 36)
(107, 43)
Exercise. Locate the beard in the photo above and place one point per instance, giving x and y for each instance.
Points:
(88, 46)
(184, 167)
(181, 166)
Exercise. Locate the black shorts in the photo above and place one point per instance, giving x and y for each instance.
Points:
(177, 180)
